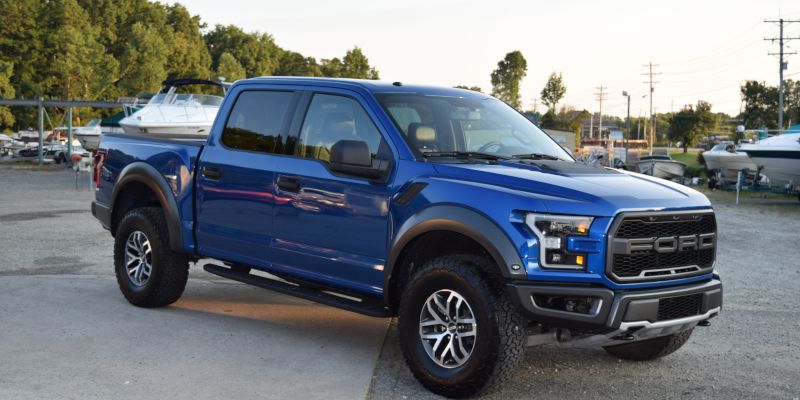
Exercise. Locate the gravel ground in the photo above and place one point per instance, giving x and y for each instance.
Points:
(750, 351)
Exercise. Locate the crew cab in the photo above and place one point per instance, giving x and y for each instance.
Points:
(443, 207)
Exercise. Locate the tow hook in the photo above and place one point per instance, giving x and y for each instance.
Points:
(704, 323)
(624, 336)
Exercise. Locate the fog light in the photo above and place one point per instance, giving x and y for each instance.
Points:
(579, 260)
(581, 305)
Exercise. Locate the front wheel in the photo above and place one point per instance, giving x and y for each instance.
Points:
(459, 332)
(148, 272)
(650, 349)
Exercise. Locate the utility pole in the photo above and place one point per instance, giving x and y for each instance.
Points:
(651, 82)
(627, 134)
(638, 125)
(782, 65)
(601, 95)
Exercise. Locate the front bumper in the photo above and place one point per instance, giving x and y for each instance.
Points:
(620, 311)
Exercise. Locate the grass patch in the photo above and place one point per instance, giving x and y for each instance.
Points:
(693, 166)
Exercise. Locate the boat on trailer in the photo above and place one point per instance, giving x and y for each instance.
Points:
(660, 166)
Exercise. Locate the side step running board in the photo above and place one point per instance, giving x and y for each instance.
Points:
(365, 307)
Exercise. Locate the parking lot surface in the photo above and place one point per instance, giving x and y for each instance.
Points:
(67, 332)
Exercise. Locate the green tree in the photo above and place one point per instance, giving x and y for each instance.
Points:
(356, 65)
(188, 56)
(21, 44)
(7, 92)
(143, 61)
(77, 66)
(570, 119)
(689, 125)
(230, 68)
(295, 64)
(553, 91)
(256, 52)
(760, 105)
(473, 88)
(549, 120)
(506, 79)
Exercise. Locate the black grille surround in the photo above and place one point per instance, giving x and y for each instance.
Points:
(642, 264)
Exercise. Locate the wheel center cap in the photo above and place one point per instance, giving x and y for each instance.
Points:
(451, 327)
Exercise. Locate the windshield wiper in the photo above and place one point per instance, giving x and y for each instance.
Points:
(536, 156)
(465, 154)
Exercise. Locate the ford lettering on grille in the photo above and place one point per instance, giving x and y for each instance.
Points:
(669, 244)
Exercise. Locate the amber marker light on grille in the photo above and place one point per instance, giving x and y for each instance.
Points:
(579, 260)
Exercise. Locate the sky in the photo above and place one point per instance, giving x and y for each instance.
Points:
(704, 49)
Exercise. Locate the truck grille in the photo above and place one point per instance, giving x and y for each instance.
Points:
(661, 246)
(679, 307)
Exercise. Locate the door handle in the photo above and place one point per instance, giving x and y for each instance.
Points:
(212, 173)
(288, 184)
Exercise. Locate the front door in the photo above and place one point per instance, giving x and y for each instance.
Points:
(332, 228)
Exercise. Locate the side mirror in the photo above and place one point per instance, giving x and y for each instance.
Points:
(352, 157)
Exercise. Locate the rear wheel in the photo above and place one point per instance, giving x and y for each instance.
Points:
(148, 272)
(650, 349)
(459, 332)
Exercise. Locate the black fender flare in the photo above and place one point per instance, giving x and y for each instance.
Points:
(461, 220)
(145, 173)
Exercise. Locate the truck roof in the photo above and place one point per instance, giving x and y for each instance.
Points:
(369, 85)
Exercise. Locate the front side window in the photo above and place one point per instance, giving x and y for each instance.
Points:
(331, 118)
(440, 124)
(258, 122)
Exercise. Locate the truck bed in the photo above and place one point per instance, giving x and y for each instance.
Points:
(171, 160)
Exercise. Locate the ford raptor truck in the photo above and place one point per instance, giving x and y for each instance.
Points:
(445, 208)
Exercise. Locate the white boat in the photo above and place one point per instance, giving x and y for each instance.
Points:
(779, 156)
(727, 161)
(89, 135)
(660, 166)
(172, 113)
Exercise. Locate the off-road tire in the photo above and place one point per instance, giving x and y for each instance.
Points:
(650, 349)
(169, 270)
(500, 340)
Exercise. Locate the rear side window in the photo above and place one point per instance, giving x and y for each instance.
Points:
(259, 122)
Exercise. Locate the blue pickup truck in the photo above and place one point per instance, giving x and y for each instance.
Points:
(444, 207)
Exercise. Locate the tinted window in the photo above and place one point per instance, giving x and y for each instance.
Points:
(445, 124)
(258, 122)
(333, 118)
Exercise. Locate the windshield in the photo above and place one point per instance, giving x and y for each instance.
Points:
(437, 125)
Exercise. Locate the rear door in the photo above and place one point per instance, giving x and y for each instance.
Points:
(332, 228)
(235, 196)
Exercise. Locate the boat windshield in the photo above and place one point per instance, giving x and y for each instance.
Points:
(719, 147)
(186, 99)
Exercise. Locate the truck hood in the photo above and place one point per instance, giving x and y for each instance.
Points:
(574, 188)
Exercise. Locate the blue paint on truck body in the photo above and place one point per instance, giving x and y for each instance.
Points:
(340, 230)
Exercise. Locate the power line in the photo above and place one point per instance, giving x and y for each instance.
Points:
(782, 65)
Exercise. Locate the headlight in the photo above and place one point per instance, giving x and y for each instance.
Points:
(553, 232)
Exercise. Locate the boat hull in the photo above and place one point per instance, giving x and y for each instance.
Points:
(665, 169)
(728, 163)
(89, 142)
(782, 167)
(172, 130)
